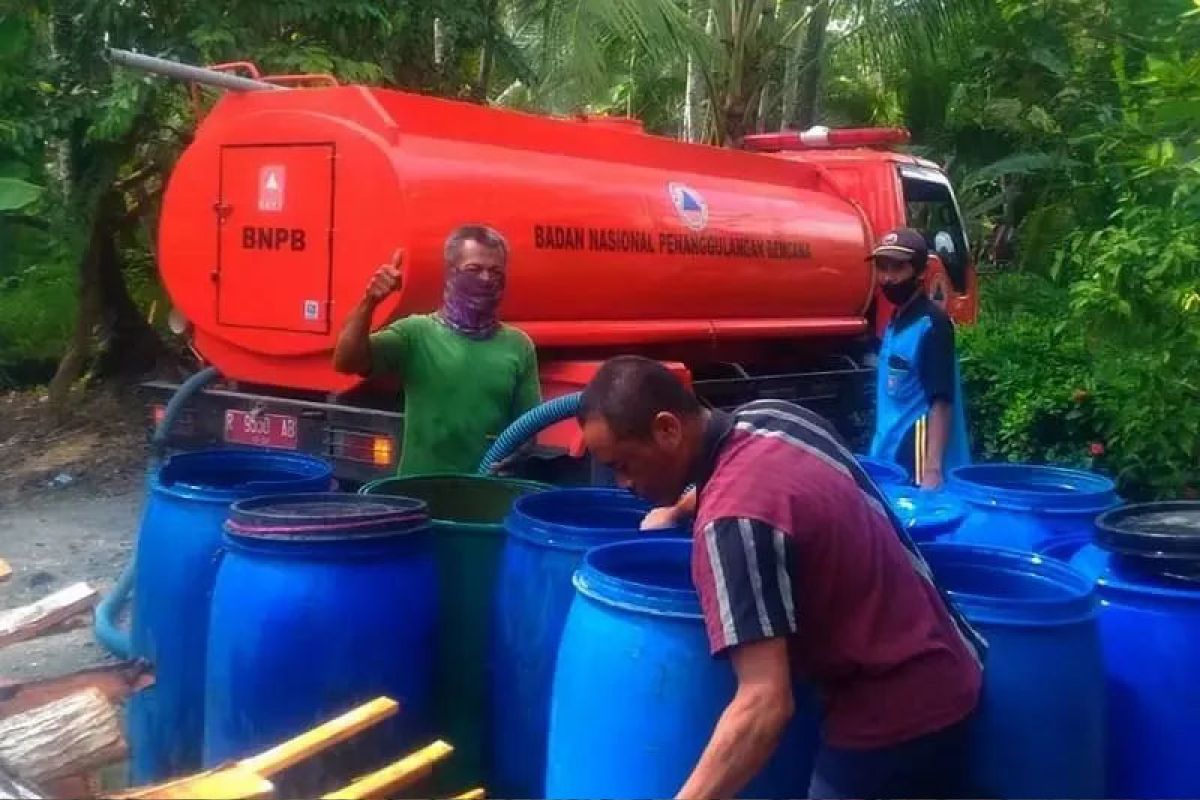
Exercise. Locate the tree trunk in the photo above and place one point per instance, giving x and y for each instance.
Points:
(791, 87)
(487, 55)
(693, 98)
(107, 317)
(764, 111)
(812, 56)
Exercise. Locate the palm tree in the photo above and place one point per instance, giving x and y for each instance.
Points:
(752, 63)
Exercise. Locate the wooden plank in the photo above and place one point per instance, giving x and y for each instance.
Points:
(474, 794)
(323, 736)
(27, 622)
(228, 783)
(74, 734)
(397, 775)
(115, 681)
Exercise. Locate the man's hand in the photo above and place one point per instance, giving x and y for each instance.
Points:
(670, 516)
(352, 353)
(661, 517)
(932, 479)
(385, 280)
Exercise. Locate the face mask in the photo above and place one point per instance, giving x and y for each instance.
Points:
(899, 293)
(469, 304)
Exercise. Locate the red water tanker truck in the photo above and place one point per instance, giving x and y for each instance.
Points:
(745, 269)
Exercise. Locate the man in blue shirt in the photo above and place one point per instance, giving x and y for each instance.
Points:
(920, 423)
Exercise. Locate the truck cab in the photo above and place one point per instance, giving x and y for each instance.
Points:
(894, 190)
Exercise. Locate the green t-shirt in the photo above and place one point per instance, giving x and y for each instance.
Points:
(460, 393)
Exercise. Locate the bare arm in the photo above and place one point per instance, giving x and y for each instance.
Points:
(352, 354)
(752, 724)
(935, 446)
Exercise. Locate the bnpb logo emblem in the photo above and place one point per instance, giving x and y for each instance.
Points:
(689, 204)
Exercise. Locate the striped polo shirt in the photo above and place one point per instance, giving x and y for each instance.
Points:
(791, 538)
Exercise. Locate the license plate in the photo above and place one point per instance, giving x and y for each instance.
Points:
(261, 430)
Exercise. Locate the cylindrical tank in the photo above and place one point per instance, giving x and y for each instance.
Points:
(926, 515)
(548, 534)
(322, 602)
(284, 204)
(468, 513)
(1022, 505)
(1040, 728)
(883, 472)
(1149, 625)
(637, 695)
(176, 562)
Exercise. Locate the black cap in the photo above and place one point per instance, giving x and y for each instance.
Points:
(904, 244)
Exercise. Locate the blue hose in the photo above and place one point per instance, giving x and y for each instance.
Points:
(528, 425)
(111, 637)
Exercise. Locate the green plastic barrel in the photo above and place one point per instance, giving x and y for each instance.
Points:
(468, 513)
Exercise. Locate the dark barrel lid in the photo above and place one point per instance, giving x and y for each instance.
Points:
(326, 515)
(1157, 538)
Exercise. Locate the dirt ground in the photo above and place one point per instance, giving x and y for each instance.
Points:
(70, 502)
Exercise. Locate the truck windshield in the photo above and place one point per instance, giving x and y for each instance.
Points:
(932, 210)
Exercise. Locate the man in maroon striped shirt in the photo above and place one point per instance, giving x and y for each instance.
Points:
(802, 569)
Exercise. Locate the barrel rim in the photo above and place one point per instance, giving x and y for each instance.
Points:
(520, 524)
(1092, 493)
(289, 528)
(869, 462)
(1080, 602)
(949, 515)
(592, 581)
(457, 526)
(1115, 538)
(319, 471)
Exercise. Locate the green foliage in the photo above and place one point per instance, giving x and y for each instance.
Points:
(15, 194)
(1024, 379)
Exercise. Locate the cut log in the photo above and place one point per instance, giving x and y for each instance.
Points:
(76, 787)
(116, 682)
(27, 622)
(396, 776)
(73, 735)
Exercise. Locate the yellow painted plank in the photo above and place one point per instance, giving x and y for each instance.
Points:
(227, 783)
(397, 775)
(474, 794)
(323, 736)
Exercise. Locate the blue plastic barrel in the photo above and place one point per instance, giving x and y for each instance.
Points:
(322, 602)
(1040, 728)
(884, 472)
(176, 562)
(637, 695)
(1022, 505)
(547, 536)
(926, 515)
(1150, 629)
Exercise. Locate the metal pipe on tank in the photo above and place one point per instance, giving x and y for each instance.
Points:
(187, 72)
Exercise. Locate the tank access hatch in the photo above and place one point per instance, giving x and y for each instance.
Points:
(275, 237)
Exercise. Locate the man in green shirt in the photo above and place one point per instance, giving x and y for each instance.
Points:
(466, 375)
